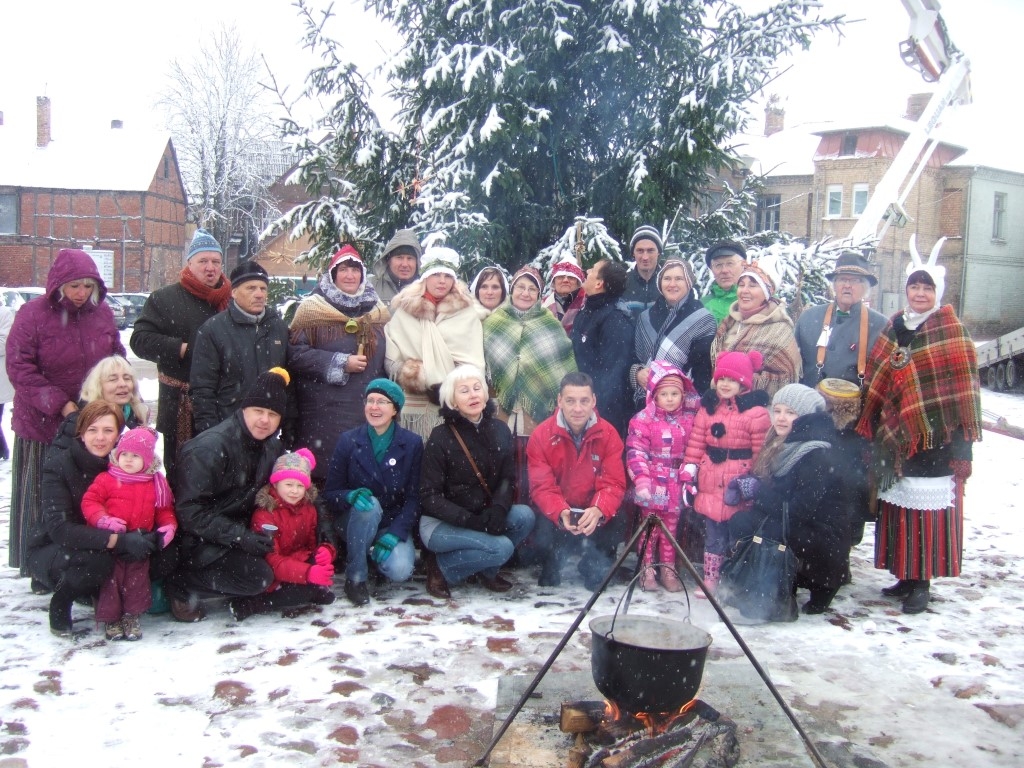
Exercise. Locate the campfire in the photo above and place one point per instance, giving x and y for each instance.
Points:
(608, 737)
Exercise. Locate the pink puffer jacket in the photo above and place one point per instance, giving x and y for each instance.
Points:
(727, 436)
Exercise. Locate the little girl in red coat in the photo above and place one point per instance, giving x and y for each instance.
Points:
(303, 563)
(132, 495)
(728, 433)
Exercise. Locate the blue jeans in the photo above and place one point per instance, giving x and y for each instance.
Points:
(462, 552)
(359, 530)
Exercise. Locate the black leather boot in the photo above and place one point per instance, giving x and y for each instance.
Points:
(917, 600)
(900, 589)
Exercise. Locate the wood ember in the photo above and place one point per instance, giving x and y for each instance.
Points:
(581, 716)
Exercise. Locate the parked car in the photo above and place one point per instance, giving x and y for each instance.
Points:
(11, 299)
(29, 292)
(120, 315)
(132, 304)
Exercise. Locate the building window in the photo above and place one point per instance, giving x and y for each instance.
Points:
(167, 167)
(766, 218)
(8, 214)
(860, 198)
(999, 217)
(834, 206)
(849, 145)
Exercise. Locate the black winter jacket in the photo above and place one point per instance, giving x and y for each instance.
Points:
(449, 489)
(218, 476)
(171, 316)
(602, 342)
(819, 526)
(230, 353)
(67, 475)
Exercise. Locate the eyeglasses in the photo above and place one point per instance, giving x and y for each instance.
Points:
(377, 401)
(849, 280)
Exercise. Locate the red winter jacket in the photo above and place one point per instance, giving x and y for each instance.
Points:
(296, 537)
(135, 503)
(730, 425)
(562, 477)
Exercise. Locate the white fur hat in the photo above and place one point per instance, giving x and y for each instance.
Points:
(439, 258)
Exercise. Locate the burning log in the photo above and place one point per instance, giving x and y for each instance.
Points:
(581, 716)
(579, 753)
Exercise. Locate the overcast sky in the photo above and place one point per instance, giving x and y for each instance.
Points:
(105, 59)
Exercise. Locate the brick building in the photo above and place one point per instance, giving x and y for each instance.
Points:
(118, 193)
(820, 177)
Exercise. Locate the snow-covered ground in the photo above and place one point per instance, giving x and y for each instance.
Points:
(411, 681)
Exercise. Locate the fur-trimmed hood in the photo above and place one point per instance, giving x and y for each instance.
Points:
(411, 300)
(709, 400)
(269, 501)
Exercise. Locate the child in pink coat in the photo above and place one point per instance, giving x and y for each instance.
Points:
(728, 433)
(132, 495)
(655, 449)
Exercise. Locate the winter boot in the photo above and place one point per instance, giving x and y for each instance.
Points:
(132, 627)
(551, 571)
(60, 614)
(820, 601)
(648, 569)
(114, 631)
(244, 607)
(900, 589)
(917, 599)
(712, 569)
(667, 573)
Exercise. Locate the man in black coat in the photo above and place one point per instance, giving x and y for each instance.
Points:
(602, 342)
(236, 346)
(219, 473)
(165, 333)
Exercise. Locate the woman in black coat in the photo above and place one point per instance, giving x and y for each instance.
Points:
(469, 525)
(798, 466)
(67, 555)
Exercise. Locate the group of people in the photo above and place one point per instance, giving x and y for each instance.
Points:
(474, 422)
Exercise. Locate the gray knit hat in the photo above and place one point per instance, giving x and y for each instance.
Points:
(803, 400)
(406, 238)
(646, 232)
(203, 241)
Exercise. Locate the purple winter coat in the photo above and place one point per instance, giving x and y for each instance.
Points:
(52, 346)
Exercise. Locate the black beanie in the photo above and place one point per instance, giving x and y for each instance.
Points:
(248, 270)
(269, 391)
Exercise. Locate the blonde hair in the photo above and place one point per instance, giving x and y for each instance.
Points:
(459, 373)
(92, 387)
(94, 297)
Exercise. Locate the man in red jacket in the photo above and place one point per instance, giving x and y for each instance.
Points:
(577, 481)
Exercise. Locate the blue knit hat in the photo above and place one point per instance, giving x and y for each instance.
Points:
(389, 389)
(203, 241)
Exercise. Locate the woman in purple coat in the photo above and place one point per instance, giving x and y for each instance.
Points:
(53, 343)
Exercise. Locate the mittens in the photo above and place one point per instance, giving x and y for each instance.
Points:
(961, 468)
(494, 517)
(361, 499)
(134, 546)
(321, 575)
(110, 523)
(642, 490)
(382, 548)
(323, 556)
(741, 489)
(167, 534)
(688, 478)
(259, 544)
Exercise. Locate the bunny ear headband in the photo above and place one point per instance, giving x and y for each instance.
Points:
(935, 271)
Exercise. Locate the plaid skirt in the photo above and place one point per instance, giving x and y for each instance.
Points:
(26, 498)
(920, 544)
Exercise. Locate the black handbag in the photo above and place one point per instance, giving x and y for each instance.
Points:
(758, 577)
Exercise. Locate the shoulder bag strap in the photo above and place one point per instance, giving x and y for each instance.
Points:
(472, 463)
(862, 350)
(826, 328)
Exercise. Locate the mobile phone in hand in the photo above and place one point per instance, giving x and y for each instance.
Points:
(574, 515)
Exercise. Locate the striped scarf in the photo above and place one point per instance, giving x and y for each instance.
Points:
(527, 355)
(921, 405)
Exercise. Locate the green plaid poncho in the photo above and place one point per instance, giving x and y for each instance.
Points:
(527, 355)
(920, 405)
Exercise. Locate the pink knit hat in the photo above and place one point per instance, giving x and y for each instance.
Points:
(294, 466)
(141, 441)
(739, 366)
(568, 267)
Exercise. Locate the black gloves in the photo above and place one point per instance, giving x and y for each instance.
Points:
(259, 544)
(491, 520)
(135, 546)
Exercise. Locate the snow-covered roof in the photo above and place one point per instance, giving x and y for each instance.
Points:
(789, 152)
(121, 160)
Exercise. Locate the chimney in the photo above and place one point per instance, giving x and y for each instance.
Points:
(116, 125)
(42, 121)
(916, 104)
(774, 119)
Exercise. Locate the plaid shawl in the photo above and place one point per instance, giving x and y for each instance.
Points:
(770, 332)
(922, 405)
(527, 355)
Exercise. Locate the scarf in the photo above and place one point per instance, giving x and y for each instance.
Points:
(666, 333)
(351, 303)
(770, 332)
(527, 355)
(164, 498)
(923, 403)
(791, 453)
(381, 443)
(323, 322)
(216, 297)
